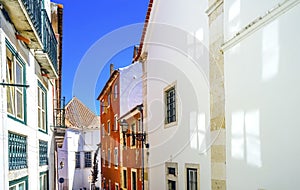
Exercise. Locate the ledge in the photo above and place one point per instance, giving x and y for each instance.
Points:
(259, 22)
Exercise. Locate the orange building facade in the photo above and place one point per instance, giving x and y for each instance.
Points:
(131, 149)
(109, 130)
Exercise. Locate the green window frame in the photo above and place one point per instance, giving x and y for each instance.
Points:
(17, 148)
(42, 108)
(19, 184)
(44, 180)
(43, 153)
(15, 74)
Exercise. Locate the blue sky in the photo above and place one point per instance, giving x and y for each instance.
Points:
(85, 22)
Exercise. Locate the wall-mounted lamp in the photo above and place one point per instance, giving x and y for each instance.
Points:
(62, 164)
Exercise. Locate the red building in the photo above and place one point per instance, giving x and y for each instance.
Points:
(131, 145)
(110, 109)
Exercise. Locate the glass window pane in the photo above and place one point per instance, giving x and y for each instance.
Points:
(19, 73)
(19, 105)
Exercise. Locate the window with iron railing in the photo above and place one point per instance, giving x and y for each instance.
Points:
(43, 152)
(17, 147)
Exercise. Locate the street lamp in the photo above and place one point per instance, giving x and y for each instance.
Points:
(138, 136)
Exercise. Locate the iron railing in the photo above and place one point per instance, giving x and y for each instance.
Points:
(17, 147)
(42, 25)
(49, 39)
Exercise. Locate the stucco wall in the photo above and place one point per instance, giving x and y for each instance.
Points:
(176, 43)
(262, 106)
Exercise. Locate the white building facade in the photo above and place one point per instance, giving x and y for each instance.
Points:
(261, 63)
(176, 95)
(27, 94)
(81, 142)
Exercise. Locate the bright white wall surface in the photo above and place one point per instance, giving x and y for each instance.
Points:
(78, 141)
(239, 13)
(130, 87)
(176, 44)
(262, 106)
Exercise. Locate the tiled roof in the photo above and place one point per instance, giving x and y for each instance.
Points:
(79, 116)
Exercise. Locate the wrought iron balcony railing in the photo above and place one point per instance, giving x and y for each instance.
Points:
(32, 22)
(49, 39)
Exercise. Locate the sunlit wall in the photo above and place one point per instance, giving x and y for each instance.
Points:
(262, 97)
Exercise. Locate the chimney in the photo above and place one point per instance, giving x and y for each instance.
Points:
(111, 68)
(135, 51)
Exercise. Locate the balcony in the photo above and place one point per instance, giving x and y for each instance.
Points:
(32, 22)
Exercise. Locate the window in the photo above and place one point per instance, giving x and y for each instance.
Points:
(103, 158)
(43, 152)
(133, 180)
(192, 176)
(125, 178)
(108, 127)
(191, 179)
(116, 123)
(102, 130)
(108, 157)
(116, 161)
(108, 99)
(139, 123)
(133, 132)
(15, 75)
(116, 91)
(77, 159)
(44, 181)
(170, 103)
(102, 106)
(19, 184)
(116, 186)
(171, 175)
(17, 147)
(109, 184)
(87, 159)
(42, 114)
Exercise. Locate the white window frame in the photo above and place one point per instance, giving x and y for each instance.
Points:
(124, 179)
(102, 130)
(116, 91)
(116, 157)
(194, 167)
(109, 99)
(133, 140)
(108, 127)
(116, 122)
(131, 177)
(171, 177)
(117, 186)
(109, 157)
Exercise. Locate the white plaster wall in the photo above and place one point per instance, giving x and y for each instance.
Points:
(177, 54)
(239, 13)
(76, 141)
(130, 87)
(262, 106)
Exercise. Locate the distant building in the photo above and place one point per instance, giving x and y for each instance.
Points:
(131, 142)
(81, 141)
(121, 93)
(29, 71)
